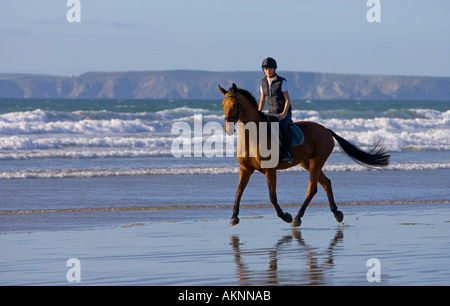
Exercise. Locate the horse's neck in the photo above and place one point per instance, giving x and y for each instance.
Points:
(250, 112)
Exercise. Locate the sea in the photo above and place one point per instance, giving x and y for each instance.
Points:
(135, 159)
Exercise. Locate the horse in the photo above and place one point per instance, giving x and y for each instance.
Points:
(239, 105)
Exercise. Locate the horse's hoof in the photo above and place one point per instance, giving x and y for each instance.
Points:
(286, 217)
(339, 216)
(234, 221)
(296, 223)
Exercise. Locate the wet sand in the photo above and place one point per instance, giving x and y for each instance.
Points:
(410, 242)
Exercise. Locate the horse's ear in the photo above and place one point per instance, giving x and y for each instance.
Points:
(223, 91)
(234, 87)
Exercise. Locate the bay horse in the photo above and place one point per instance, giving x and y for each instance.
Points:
(239, 105)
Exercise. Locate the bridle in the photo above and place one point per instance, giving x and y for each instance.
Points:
(237, 104)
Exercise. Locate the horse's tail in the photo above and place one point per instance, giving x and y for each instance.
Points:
(376, 156)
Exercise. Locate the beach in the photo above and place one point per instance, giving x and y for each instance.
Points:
(143, 242)
(409, 240)
(83, 203)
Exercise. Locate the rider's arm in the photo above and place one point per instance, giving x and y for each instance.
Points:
(262, 101)
(286, 105)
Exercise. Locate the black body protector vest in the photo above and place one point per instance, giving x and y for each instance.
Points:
(275, 97)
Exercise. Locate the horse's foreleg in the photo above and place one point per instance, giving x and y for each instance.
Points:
(271, 177)
(244, 177)
(312, 190)
(326, 184)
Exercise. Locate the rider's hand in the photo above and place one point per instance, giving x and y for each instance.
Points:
(281, 116)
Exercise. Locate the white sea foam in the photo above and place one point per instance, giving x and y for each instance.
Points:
(107, 134)
(198, 170)
(429, 129)
(85, 126)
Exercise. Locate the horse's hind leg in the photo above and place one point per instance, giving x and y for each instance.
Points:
(271, 177)
(244, 177)
(326, 184)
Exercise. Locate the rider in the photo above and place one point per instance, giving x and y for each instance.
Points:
(274, 87)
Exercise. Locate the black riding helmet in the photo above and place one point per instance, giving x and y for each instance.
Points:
(269, 63)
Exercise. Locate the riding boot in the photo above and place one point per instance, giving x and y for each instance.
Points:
(287, 148)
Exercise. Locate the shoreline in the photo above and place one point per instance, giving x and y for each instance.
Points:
(59, 204)
(91, 219)
(184, 207)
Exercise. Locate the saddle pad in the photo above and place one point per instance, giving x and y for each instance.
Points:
(296, 134)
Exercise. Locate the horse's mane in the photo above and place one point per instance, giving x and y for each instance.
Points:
(249, 96)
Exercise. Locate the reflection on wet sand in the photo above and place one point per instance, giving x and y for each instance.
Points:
(319, 263)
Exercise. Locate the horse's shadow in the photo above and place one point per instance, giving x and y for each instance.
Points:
(318, 262)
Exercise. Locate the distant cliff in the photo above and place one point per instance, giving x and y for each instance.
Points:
(190, 84)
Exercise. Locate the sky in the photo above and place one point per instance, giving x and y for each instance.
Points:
(335, 36)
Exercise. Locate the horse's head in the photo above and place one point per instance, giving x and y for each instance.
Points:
(232, 108)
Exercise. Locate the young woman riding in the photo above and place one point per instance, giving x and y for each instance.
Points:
(274, 88)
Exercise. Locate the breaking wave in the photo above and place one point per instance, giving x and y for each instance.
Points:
(409, 129)
(104, 130)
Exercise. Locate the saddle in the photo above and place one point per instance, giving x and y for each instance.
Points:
(297, 137)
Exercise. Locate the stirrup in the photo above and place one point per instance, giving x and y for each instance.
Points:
(288, 158)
